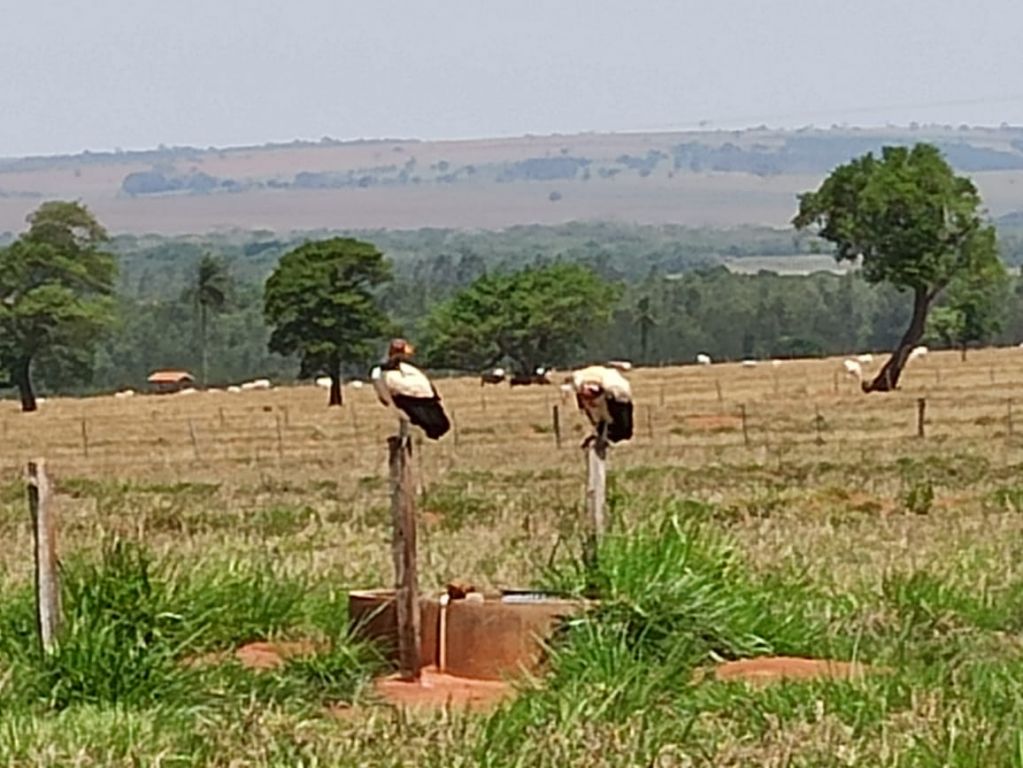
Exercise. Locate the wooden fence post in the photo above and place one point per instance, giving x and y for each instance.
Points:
(596, 493)
(661, 400)
(221, 409)
(195, 440)
(280, 436)
(556, 423)
(650, 422)
(745, 430)
(818, 421)
(85, 439)
(1008, 417)
(406, 594)
(717, 386)
(45, 534)
(921, 410)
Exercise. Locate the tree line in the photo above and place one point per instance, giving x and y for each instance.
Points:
(929, 270)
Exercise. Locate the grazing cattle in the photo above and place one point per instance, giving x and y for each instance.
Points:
(865, 359)
(853, 369)
(539, 376)
(702, 359)
(916, 353)
(495, 376)
(234, 389)
(323, 382)
(749, 363)
(248, 386)
(401, 385)
(124, 393)
(186, 391)
(605, 396)
(355, 384)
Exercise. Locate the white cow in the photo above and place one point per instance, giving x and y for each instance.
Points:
(703, 359)
(256, 384)
(853, 369)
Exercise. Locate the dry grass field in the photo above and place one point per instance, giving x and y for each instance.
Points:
(195, 523)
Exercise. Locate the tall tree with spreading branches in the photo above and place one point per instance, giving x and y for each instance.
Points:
(914, 224)
(56, 294)
(321, 301)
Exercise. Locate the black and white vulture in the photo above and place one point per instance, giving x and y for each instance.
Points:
(400, 384)
(605, 396)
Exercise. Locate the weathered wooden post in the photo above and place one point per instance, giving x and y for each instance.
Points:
(921, 410)
(818, 422)
(280, 436)
(596, 492)
(406, 592)
(85, 439)
(45, 534)
(717, 386)
(745, 430)
(1008, 417)
(834, 378)
(195, 440)
(556, 423)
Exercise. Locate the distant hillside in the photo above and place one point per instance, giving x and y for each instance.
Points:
(716, 179)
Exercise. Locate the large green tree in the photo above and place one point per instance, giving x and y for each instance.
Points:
(56, 288)
(914, 224)
(538, 316)
(321, 301)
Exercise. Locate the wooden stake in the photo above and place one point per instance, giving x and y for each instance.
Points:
(835, 381)
(818, 421)
(45, 534)
(280, 436)
(195, 441)
(556, 423)
(406, 592)
(650, 423)
(662, 396)
(717, 386)
(1008, 417)
(745, 431)
(921, 410)
(85, 440)
(221, 409)
(287, 418)
(596, 492)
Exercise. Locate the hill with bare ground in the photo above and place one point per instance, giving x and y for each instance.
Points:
(717, 179)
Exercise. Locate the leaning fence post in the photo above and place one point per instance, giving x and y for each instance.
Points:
(406, 595)
(921, 410)
(596, 492)
(45, 535)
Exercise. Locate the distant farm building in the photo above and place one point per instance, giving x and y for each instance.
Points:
(163, 382)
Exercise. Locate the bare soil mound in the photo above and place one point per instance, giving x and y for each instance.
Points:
(437, 690)
(769, 669)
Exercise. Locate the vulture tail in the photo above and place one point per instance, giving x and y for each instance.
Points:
(426, 413)
(620, 427)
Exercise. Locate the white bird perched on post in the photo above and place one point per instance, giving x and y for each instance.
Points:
(405, 387)
(605, 396)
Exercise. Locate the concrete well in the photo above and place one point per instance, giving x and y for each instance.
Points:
(485, 637)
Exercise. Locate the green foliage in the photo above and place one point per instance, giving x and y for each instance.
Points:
(56, 287)
(912, 221)
(975, 305)
(321, 301)
(534, 317)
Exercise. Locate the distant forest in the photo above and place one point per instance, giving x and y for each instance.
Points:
(675, 284)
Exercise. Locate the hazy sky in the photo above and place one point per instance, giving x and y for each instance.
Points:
(136, 73)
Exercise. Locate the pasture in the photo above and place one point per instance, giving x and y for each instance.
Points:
(820, 524)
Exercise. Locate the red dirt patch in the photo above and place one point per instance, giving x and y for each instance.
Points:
(271, 655)
(437, 690)
(769, 669)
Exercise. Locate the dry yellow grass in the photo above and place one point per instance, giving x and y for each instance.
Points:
(796, 493)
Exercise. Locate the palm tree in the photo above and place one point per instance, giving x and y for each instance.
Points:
(211, 288)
